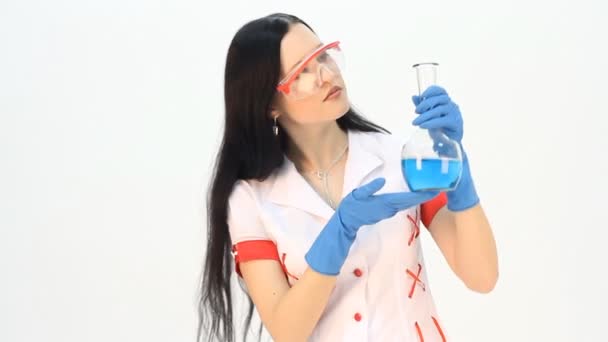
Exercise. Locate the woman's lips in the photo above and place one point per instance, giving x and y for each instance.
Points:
(333, 93)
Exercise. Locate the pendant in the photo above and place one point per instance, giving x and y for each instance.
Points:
(320, 174)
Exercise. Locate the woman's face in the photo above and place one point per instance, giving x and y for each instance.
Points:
(298, 43)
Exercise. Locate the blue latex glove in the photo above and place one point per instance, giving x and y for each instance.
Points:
(438, 111)
(361, 207)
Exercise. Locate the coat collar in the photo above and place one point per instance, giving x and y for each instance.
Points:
(290, 189)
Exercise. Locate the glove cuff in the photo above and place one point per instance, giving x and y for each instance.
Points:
(465, 194)
(330, 249)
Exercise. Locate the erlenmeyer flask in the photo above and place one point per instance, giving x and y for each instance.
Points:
(429, 159)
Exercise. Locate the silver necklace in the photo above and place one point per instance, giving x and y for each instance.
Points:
(322, 175)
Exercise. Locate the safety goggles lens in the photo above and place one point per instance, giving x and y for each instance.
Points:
(307, 77)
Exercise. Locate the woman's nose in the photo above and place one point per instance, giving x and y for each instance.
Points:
(325, 74)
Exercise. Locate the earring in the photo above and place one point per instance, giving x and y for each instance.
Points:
(275, 128)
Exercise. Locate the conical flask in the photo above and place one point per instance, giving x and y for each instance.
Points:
(430, 160)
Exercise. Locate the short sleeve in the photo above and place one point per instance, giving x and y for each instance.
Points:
(249, 238)
(429, 208)
(244, 221)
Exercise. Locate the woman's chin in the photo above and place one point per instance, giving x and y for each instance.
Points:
(343, 110)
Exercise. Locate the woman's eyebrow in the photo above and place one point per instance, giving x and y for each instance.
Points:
(298, 62)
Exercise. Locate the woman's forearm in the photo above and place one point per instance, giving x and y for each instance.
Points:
(475, 249)
(298, 311)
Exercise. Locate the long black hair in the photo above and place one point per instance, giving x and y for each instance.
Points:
(249, 150)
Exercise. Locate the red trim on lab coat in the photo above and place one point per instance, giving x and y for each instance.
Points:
(439, 329)
(430, 208)
(254, 250)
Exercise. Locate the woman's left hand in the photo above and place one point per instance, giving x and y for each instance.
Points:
(438, 111)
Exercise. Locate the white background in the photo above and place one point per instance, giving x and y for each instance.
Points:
(111, 111)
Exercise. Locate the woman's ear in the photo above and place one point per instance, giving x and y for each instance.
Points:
(274, 113)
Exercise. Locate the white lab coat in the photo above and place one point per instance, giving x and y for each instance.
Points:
(382, 292)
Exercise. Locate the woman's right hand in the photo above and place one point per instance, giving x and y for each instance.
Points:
(360, 207)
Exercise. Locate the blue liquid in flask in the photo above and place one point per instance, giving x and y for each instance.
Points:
(431, 174)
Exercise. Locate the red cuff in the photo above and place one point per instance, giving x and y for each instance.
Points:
(254, 250)
(430, 208)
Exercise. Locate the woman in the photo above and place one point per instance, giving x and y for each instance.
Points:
(309, 199)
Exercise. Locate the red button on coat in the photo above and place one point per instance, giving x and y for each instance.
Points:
(357, 317)
(357, 272)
